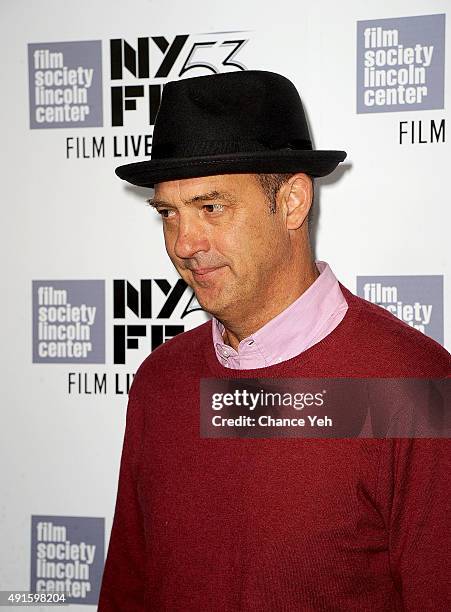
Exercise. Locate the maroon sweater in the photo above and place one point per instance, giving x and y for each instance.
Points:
(279, 524)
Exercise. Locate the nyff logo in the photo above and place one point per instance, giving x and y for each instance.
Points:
(155, 299)
(416, 300)
(401, 64)
(138, 71)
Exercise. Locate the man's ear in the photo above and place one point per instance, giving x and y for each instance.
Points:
(296, 197)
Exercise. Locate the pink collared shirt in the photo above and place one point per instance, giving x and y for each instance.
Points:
(303, 323)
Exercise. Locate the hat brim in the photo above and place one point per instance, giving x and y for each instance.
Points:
(148, 173)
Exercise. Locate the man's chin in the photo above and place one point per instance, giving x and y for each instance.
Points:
(212, 300)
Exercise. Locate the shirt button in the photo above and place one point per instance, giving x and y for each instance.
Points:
(226, 353)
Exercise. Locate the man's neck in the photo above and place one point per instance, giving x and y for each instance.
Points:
(234, 332)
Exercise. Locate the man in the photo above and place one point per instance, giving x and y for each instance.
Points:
(266, 524)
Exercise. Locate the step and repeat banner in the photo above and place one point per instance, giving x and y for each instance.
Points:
(89, 290)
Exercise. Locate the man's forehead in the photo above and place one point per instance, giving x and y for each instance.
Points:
(185, 190)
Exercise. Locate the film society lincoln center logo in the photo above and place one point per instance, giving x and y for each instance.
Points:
(67, 556)
(69, 321)
(65, 84)
(401, 64)
(416, 300)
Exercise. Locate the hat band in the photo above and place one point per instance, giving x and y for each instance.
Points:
(194, 148)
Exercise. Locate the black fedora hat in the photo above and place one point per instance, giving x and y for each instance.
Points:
(249, 121)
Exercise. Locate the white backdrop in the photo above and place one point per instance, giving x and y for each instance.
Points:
(385, 213)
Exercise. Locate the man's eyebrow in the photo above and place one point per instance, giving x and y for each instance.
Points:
(212, 195)
(202, 197)
(156, 203)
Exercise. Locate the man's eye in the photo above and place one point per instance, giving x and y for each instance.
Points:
(165, 212)
(214, 207)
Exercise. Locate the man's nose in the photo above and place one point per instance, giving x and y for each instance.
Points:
(191, 238)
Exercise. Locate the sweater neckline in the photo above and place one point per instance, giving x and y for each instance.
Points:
(339, 335)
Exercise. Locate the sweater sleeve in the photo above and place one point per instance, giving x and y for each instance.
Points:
(415, 485)
(123, 578)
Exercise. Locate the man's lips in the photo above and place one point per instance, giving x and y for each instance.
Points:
(204, 272)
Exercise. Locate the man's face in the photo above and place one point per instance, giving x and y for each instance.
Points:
(223, 240)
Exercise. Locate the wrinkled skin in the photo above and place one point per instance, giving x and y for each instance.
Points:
(244, 263)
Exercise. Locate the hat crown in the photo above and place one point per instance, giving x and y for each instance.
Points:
(247, 121)
(243, 111)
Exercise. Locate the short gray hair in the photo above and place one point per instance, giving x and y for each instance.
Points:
(271, 183)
